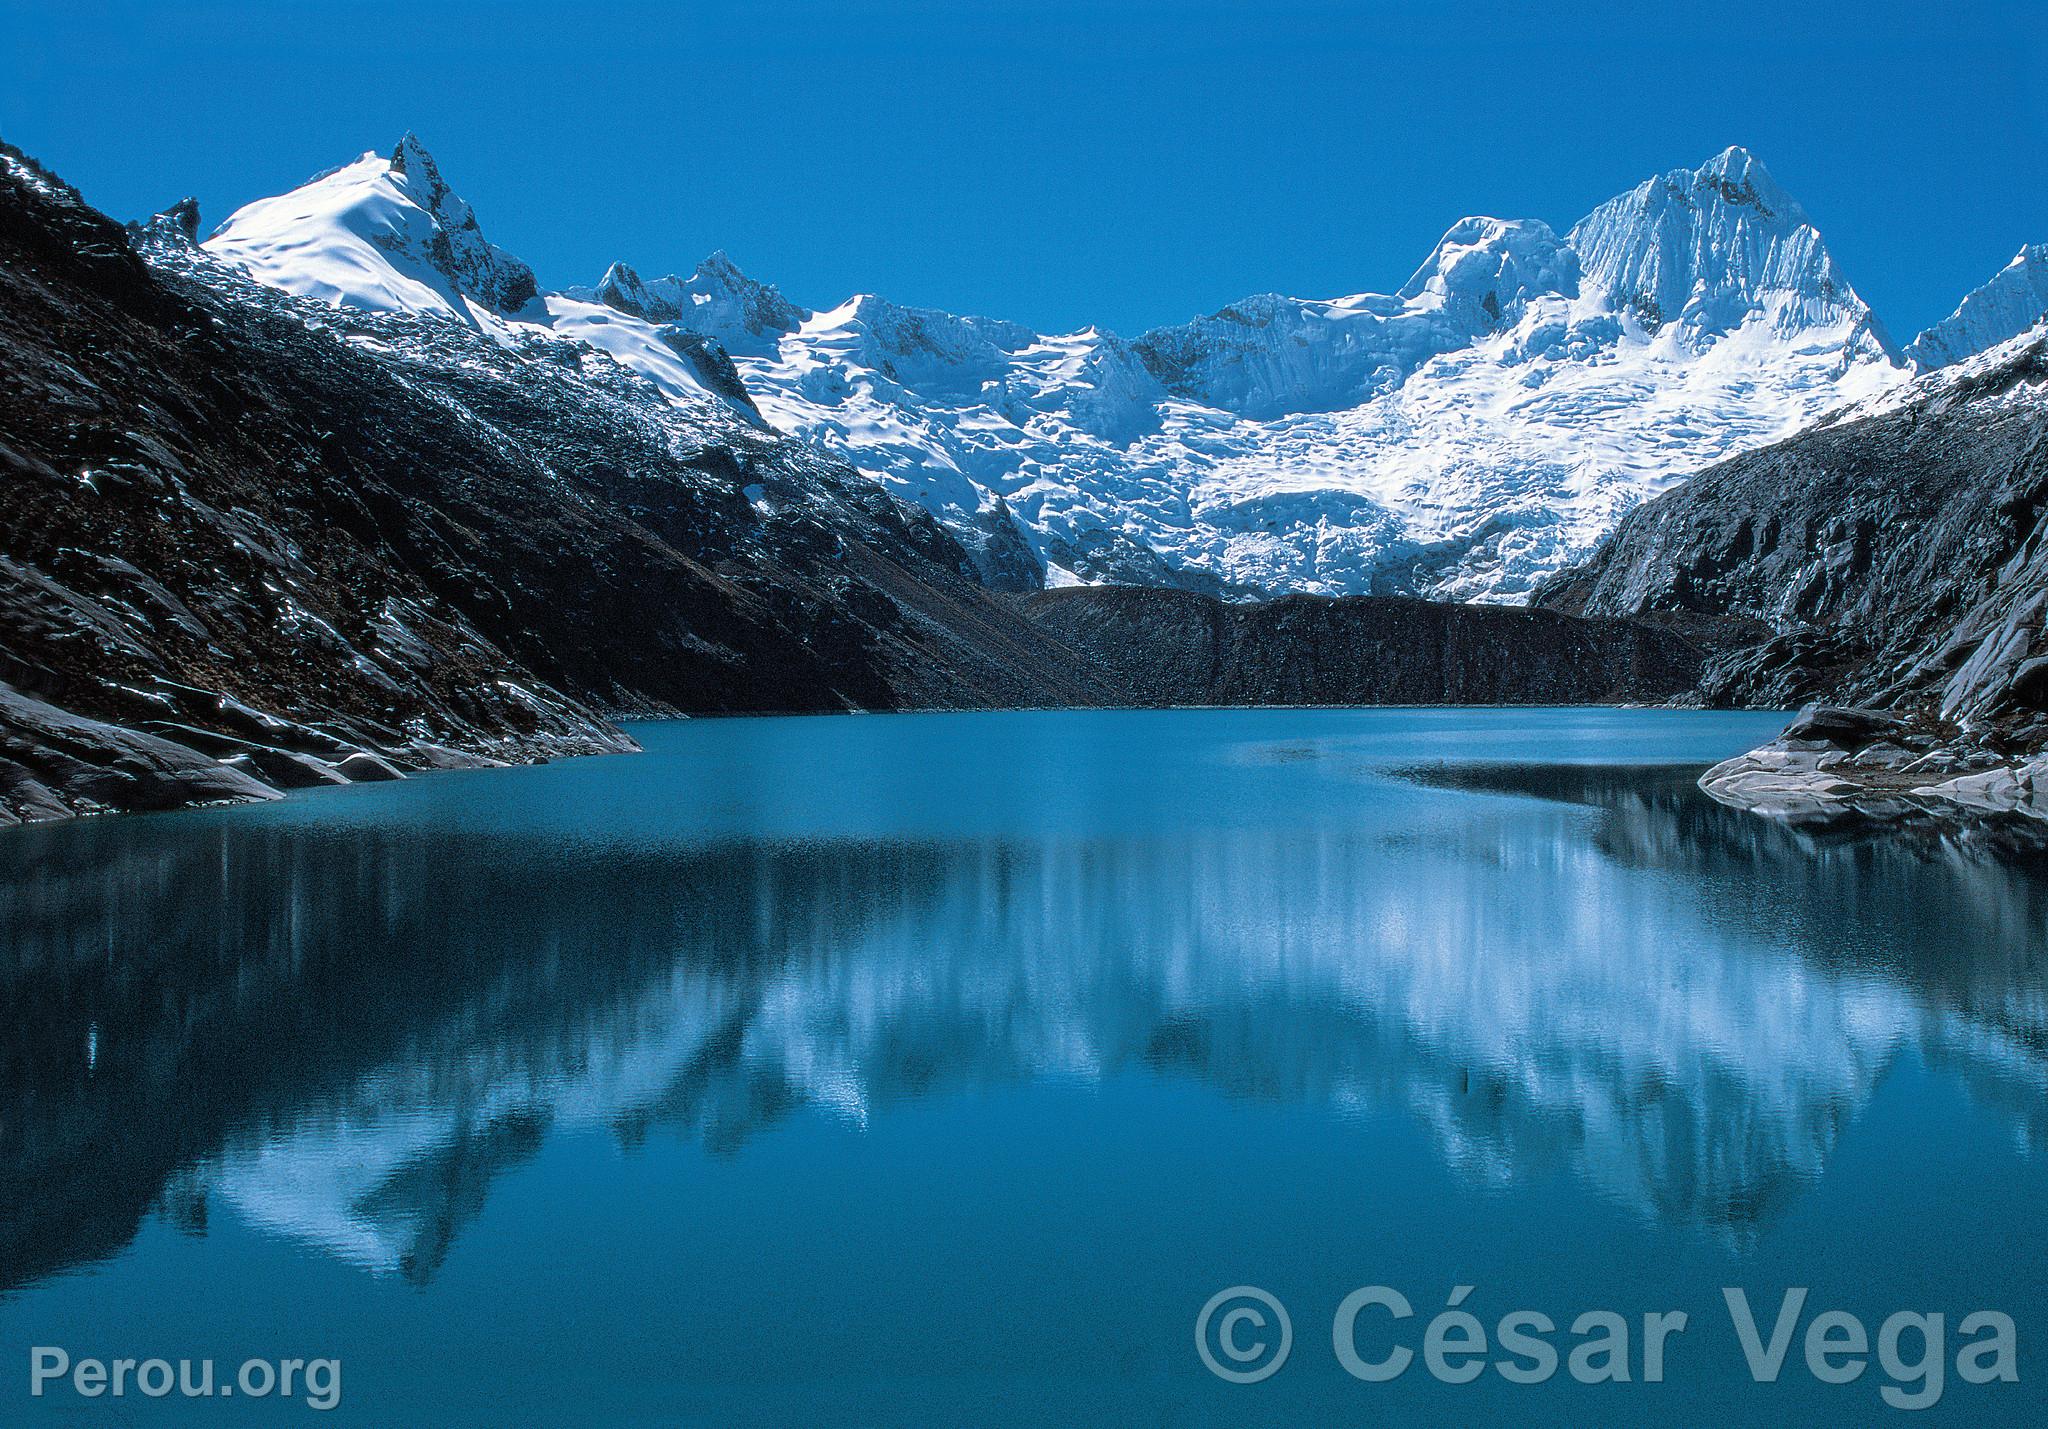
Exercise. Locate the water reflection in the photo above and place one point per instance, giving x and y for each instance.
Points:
(346, 1036)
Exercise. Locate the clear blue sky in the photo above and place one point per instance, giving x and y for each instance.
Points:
(1060, 163)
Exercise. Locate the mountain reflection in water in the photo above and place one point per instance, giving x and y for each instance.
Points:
(346, 1031)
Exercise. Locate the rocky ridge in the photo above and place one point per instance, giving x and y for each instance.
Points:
(1893, 560)
(2014, 300)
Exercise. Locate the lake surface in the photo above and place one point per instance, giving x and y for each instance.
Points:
(937, 1070)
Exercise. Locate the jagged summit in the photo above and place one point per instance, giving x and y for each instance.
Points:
(1744, 181)
(410, 160)
(716, 300)
(719, 267)
(623, 288)
(2014, 300)
(385, 234)
(1709, 249)
(177, 224)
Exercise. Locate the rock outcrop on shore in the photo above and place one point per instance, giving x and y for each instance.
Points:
(1832, 763)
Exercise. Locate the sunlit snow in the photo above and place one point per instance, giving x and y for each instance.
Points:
(1465, 436)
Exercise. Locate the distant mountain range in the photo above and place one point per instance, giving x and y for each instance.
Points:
(1464, 437)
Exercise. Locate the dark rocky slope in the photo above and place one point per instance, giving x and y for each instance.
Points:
(1166, 647)
(1894, 560)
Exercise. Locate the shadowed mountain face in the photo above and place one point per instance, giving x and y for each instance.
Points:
(1892, 557)
(345, 1031)
(1168, 647)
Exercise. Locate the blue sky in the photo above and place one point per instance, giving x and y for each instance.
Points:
(1060, 162)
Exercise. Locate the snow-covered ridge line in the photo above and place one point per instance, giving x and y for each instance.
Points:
(2014, 300)
(1964, 375)
(386, 234)
(1462, 437)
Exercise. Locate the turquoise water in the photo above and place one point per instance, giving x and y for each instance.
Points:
(936, 1070)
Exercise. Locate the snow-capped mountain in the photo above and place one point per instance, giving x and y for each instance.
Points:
(2013, 301)
(1464, 436)
(386, 234)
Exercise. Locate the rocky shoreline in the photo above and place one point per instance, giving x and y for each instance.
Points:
(1833, 763)
(57, 764)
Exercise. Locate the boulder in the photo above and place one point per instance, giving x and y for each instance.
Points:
(1844, 728)
(285, 770)
(363, 767)
(1993, 789)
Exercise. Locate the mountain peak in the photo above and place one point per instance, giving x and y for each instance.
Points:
(409, 155)
(458, 249)
(418, 170)
(1483, 270)
(1738, 177)
(179, 223)
(382, 233)
(623, 288)
(735, 307)
(416, 174)
(717, 299)
(1710, 248)
(718, 263)
(2015, 299)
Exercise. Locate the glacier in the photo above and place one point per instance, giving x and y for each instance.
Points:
(1463, 437)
